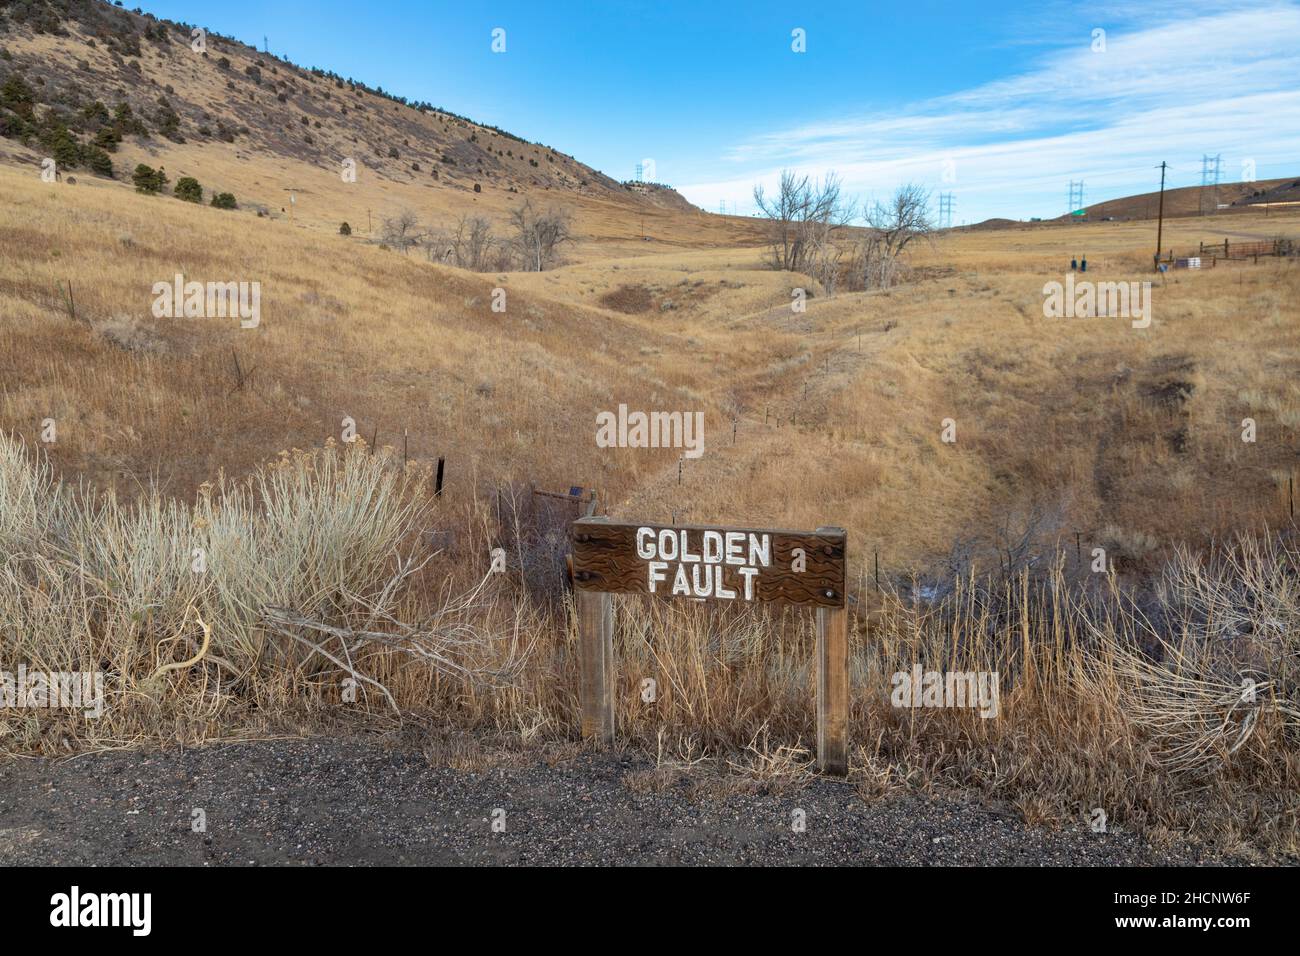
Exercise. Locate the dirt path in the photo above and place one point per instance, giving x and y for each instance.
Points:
(357, 801)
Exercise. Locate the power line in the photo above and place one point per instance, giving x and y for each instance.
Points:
(1210, 171)
(945, 210)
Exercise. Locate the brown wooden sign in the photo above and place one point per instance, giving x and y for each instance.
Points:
(719, 564)
(712, 564)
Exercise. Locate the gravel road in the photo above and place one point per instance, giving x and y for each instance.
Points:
(364, 801)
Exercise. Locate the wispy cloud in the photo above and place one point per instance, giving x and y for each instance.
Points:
(1210, 81)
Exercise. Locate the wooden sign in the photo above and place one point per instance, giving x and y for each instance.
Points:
(746, 565)
(720, 564)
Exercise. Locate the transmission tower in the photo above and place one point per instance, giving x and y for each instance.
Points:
(722, 207)
(945, 210)
(640, 172)
(1076, 196)
(1210, 170)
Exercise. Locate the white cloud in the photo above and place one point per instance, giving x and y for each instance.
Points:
(1208, 82)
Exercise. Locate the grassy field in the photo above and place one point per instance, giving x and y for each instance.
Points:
(1131, 437)
(1071, 434)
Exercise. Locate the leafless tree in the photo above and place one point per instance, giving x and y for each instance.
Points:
(892, 227)
(783, 212)
(401, 231)
(806, 220)
(538, 235)
(469, 245)
(822, 231)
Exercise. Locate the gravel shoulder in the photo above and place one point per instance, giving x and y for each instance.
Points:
(367, 801)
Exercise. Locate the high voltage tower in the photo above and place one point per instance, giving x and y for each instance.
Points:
(1210, 168)
(1076, 196)
(640, 171)
(945, 210)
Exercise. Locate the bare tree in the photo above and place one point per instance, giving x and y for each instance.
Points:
(806, 220)
(783, 213)
(893, 226)
(538, 235)
(401, 231)
(472, 243)
(822, 231)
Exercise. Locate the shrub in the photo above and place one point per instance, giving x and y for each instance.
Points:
(345, 230)
(188, 189)
(61, 144)
(124, 121)
(224, 201)
(148, 180)
(107, 139)
(17, 96)
(97, 161)
(13, 126)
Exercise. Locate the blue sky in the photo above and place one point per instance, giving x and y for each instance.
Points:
(1000, 104)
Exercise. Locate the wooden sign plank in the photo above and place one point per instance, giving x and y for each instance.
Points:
(727, 564)
(715, 564)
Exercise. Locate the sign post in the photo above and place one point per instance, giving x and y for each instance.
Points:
(744, 565)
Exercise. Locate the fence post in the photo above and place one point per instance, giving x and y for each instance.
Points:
(833, 686)
(596, 662)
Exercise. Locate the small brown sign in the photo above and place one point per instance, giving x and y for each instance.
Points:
(714, 564)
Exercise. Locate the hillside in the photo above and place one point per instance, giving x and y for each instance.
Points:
(1183, 201)
(246, 122)
(238, 526)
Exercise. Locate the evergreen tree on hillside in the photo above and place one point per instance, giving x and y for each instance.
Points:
(17, 96)
(188, 189)
(148, 180)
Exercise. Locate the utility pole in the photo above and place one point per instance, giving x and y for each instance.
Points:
(1076, 189)
(945, 210)
(1210, 173)
(1160, 223)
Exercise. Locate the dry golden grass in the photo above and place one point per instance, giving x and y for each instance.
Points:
(318, 571)
(1130, 436)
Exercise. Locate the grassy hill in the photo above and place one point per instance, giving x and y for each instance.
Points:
(1070, 435)
(1184, 201)
(256, 126)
